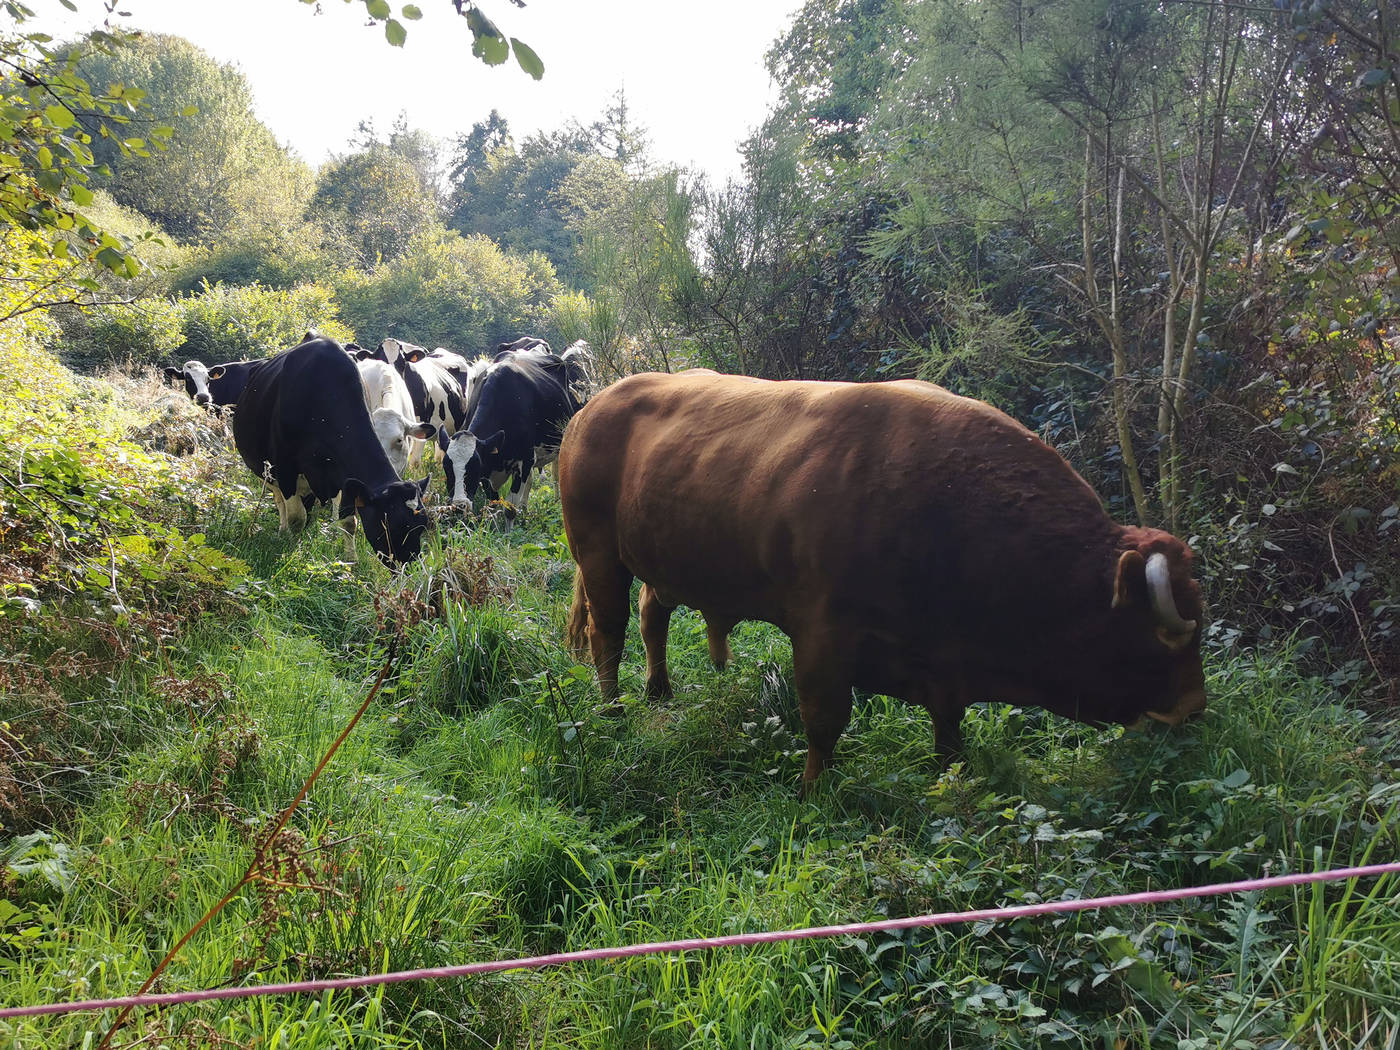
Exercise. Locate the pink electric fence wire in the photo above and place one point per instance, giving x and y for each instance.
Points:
(738, 940)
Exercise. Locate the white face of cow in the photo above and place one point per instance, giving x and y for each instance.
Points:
(461, 450)
(398, 436)
(197, 382)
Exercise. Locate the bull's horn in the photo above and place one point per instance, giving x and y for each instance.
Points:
(1159, 591)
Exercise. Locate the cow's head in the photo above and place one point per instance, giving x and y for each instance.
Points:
(394, 518)
(396, 434)
(469, 459)
(196, 378)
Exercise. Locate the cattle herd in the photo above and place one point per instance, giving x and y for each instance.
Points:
(909, 541)
(343, 425)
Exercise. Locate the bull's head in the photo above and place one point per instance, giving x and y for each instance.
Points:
(1143, 589)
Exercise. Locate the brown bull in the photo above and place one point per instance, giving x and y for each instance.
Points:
(909, 541)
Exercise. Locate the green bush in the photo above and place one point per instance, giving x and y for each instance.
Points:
(224, 323)
(146, 331)
(449, 290)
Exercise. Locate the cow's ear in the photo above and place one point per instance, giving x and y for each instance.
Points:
(423, 485)
(415, 355)
(493, 443)
(361, 354)
(174, 373)
(356, 490)
(217, 372)
(1130, 580)
(423, 430)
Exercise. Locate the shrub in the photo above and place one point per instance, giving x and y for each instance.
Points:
(224, 323)
(145, 332)
(449, 290)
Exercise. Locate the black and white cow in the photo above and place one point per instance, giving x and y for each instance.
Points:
(391, 413)
(213, 386)
(518, 413)
(525, 342)
(434, 381)
(301, 424)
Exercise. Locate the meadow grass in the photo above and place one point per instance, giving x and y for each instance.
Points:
(488, 806)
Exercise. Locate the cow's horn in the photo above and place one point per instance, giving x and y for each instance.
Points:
(1159, 591)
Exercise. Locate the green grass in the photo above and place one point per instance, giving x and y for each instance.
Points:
(487, 807)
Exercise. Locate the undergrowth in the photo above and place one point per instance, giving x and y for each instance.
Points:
(488, 806)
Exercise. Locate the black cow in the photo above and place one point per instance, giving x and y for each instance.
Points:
(518, 411)
(301, 425)
(213, 386)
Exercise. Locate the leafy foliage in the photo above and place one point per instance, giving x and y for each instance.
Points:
(225, 172)
(449, 290)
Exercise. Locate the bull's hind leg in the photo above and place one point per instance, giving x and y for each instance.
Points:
(717, 633)
(823, 698)
(655, 616)
(607, 587)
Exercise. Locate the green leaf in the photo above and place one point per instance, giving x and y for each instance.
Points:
(526, 57)
(395, 33)
(59, 116)
(490, 44)
(378, 8)
(412, 12)
(45, 157)
(112, 259)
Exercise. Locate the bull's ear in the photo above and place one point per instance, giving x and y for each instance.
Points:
(423, 430)
(174, 373)
(1130, 581)
(356, 490)
(217, 372)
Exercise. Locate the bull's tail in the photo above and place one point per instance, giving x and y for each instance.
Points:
(578, 618)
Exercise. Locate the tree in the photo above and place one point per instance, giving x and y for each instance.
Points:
(634, 235)
(50, 119)
(375, 199)
(512, 195)
(226, 169)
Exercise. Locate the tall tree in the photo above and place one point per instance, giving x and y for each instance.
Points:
(225, 168)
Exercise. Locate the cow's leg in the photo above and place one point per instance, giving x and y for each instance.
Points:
(294, 510)
(519, 494)
(655, 616)
(717, 633)
(346, 516)
(823, 698)
(608, 586)
(281, 502)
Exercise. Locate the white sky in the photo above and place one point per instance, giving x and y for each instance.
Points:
(693, 72)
